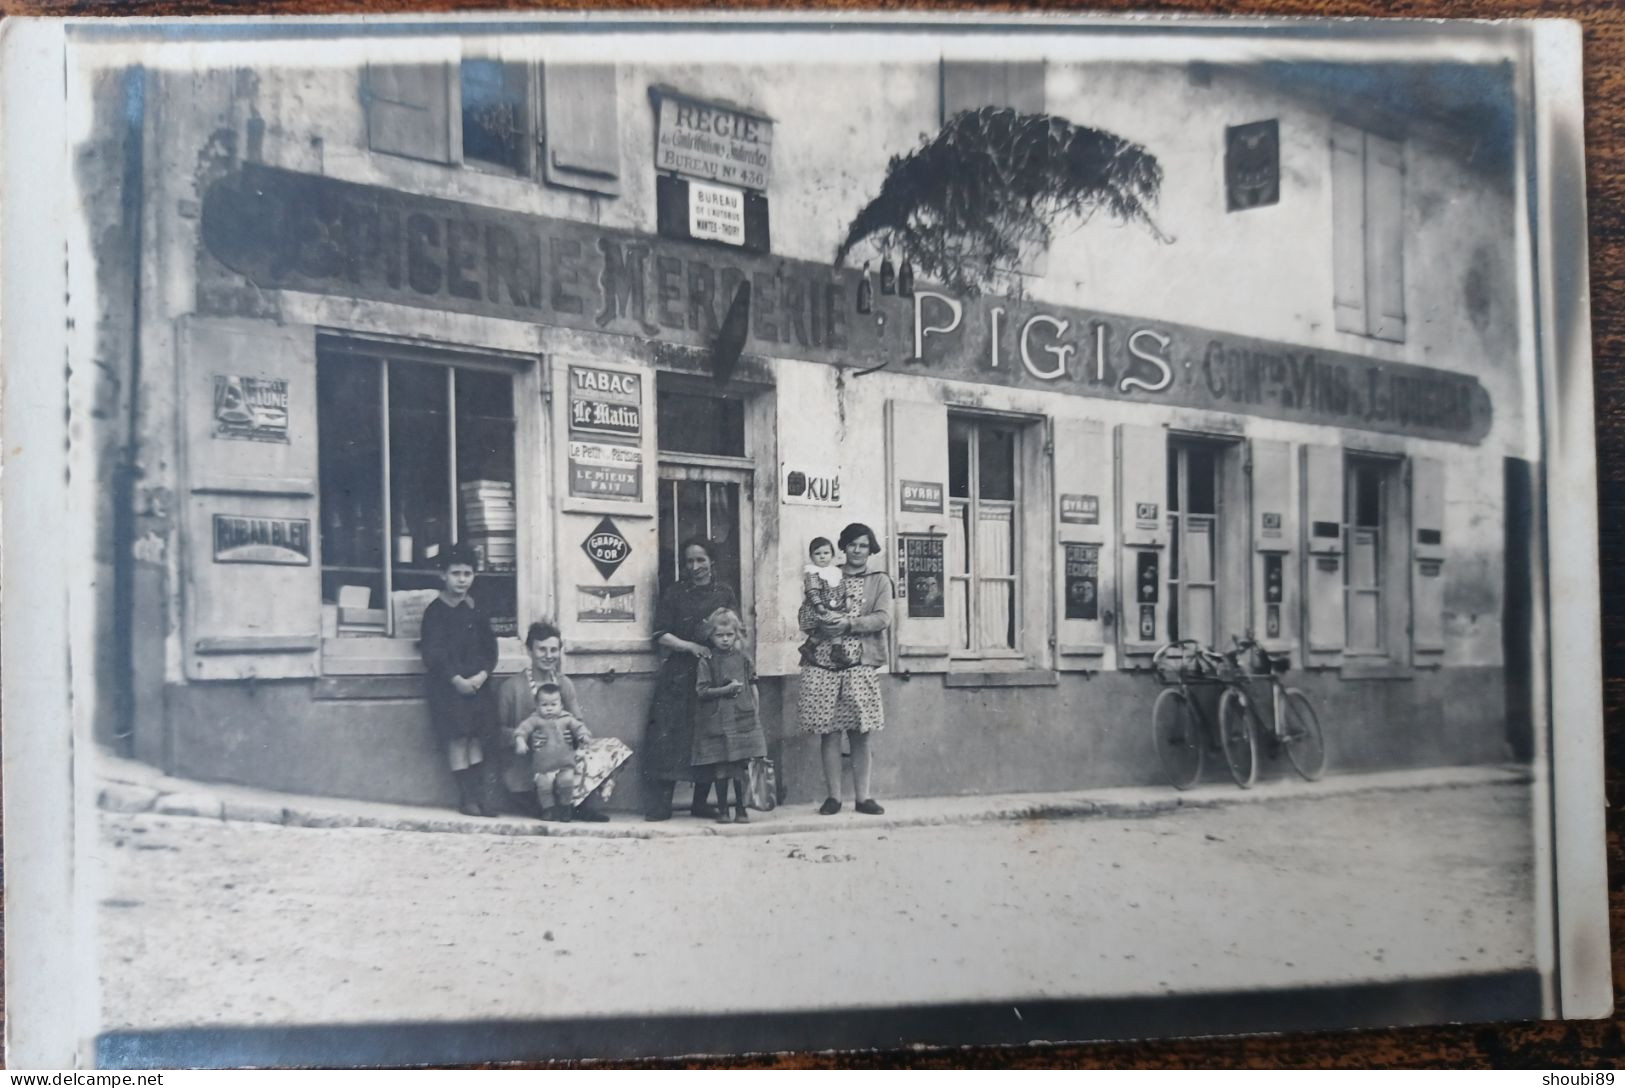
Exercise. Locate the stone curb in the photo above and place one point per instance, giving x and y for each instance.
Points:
(126, 797)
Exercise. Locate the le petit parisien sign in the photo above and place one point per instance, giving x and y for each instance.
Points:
(283, 229)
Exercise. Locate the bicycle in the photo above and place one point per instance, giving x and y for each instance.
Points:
(1182, 732)
(1293, 723)
(1180, 729)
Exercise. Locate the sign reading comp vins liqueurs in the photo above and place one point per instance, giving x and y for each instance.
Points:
(606, 434)
(279, 229)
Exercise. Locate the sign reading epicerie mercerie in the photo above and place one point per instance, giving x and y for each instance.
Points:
(285, 230)
(712, 141)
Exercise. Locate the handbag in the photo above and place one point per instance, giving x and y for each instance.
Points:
(762, 790)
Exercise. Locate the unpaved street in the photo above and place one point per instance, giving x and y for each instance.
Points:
(203, 922)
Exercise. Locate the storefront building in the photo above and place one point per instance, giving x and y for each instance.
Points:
(573, 314)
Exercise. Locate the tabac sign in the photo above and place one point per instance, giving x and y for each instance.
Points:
(281, 229)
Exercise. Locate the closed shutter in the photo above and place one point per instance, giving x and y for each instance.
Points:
(917, 452)
(251, 570)
(1427, 559)
(581, 140)
(1385, 238)
(1274, 540)
(409, 110)
(1348, 228)
(1322, 538)
(1142, 521)
(970, 85)
(1083, 507)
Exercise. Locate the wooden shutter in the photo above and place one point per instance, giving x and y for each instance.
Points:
(1142, 530)
(249, 612)
(917, 452)
(1384, 238)
(1081, 470)
(1274, 537)
(580, 140)
(1322, 478)
(1427, 559)
(970, 85)
(1348, 228)
(409, 110)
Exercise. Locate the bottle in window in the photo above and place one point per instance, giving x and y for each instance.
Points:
(403, 537)
(888, 277)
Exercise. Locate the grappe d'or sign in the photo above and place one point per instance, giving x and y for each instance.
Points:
(283, 229)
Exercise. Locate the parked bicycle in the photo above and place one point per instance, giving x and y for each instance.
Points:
(1183, 732)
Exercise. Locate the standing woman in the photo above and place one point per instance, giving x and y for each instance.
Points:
(459, 654)
(846, 699)
(669, 742)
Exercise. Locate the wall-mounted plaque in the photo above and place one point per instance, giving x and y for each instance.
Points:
(1080, 509)
(607, 547)
(252, 408)
(923, 573)
(919, 496)
(281, 542)
(605, 604)
(606, 434)
(1082, 581)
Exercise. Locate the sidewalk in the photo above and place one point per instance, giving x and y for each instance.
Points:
(130, 787)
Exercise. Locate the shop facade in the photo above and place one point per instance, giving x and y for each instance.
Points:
(574, 314)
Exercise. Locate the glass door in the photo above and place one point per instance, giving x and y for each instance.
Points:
(713, 502)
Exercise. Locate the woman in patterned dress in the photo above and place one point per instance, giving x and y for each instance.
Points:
(669, 740)
(846, 700)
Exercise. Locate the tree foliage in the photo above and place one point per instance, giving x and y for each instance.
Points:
(992, 185)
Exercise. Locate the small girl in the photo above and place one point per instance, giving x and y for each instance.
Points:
(822, 593)
(727, 734)
(552, 736)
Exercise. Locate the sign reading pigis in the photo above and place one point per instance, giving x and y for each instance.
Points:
(713, 141)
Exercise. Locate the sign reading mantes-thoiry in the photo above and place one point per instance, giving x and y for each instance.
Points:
(282, 229)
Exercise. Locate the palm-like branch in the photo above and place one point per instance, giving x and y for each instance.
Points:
(965, 204)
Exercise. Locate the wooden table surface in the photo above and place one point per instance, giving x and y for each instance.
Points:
(1595, 1044)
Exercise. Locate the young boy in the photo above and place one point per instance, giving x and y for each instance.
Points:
(552, 735)
(459, 654)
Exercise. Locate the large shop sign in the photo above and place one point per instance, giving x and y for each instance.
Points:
(282, 229)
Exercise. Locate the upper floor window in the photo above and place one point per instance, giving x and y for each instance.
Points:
(1368, 233)
(555, 122)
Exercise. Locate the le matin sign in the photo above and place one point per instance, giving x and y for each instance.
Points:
(282, 229)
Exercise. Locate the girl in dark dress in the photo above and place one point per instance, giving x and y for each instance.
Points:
(459, 654)
(668, 744)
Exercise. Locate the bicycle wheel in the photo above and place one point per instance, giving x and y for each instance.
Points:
(1300, 732)
(1236, 737)
(1178, 738)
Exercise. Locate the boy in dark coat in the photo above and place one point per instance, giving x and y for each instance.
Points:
(459, 654)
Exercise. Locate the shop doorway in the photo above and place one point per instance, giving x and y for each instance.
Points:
(705, 486)
(1200, 584)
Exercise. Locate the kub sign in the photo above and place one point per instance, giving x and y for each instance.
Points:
(811, 485)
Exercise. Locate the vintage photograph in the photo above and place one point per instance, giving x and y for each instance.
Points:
(539, 539)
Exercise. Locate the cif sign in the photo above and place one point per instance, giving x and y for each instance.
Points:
(606, 547)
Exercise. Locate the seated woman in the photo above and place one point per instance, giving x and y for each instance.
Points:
(518, 698)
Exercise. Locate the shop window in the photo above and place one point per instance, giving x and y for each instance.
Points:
(558, 122)
(1368, 234)
(983, 546)
(970, 85)
(415, 454)
(1365, 586)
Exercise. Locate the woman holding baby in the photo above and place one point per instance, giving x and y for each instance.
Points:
(846, 625)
